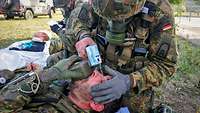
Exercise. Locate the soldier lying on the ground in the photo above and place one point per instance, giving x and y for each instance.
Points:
(36, 92)
(33, 94)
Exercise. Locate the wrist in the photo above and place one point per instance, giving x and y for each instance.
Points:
(83, 34)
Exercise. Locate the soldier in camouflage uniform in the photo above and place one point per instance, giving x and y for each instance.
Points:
(136, 43)
(66, 7)
(36, 94)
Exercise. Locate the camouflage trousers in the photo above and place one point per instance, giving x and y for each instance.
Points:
(12, 101)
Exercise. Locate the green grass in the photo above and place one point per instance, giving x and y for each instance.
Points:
(189, 59)
(20, 29)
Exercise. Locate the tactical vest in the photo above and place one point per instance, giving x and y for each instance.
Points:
(133, 54)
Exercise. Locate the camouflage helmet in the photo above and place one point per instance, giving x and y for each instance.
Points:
(117, 9)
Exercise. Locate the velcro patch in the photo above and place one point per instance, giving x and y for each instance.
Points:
(83, 15)
(163, 50)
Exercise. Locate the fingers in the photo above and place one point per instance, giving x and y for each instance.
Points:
(81, 46)
(82, 54)
(101, 93)
(105, 85)
(108, 101)
(104, 99)
(70, 61)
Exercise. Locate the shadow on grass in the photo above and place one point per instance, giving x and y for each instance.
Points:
(22, 18)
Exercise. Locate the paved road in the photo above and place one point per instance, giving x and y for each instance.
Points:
(189, 28)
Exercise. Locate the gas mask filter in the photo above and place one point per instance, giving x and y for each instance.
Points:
(116, 32)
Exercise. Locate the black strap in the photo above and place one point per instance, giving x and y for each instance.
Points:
(45, 100)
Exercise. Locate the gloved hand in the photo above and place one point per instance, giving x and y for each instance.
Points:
(81, 46)
(67, 69)
(80, 91)
(55, 28)
(112, 89)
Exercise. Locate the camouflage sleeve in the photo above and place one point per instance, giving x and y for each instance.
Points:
(77, 24)
(162, 56)
(11, 100)
(56, 45)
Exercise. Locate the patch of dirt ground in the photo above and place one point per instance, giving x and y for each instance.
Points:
(182, 95)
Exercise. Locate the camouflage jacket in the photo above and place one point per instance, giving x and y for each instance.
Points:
(61, 33)
(148, 69)
(148, 59)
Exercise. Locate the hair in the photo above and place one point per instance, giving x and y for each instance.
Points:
(47, 32)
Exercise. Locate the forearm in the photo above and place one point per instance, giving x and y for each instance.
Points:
(67, 69)
(153, 75)
(80, 21)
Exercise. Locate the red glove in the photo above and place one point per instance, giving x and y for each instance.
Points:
(80, 92)
(81, 46)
